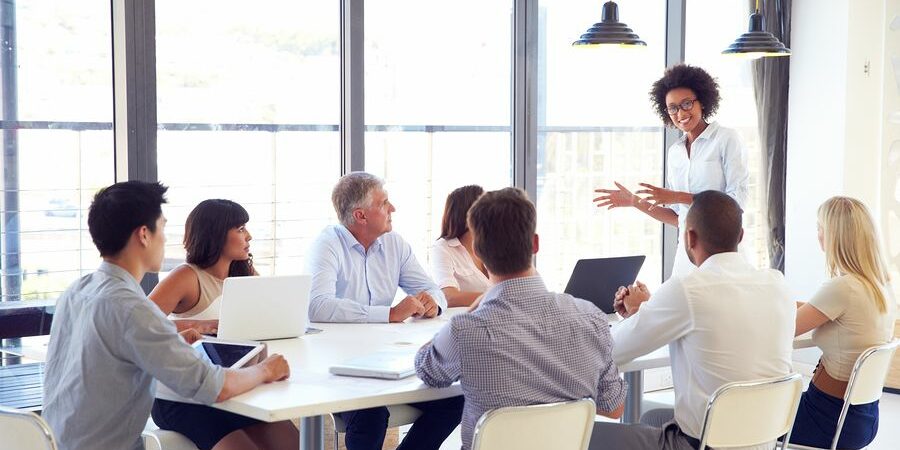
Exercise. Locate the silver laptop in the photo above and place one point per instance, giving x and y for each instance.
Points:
(261, 308)
(386, 365)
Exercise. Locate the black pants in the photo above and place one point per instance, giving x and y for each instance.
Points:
(366, 427)
(204, 425)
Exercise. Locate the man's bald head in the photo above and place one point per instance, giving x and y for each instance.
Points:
(716, 220)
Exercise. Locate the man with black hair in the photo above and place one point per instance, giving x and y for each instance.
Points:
(109, 341)
(725, 321)
(522, 345)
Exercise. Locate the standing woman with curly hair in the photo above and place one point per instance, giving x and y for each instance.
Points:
(707, 157)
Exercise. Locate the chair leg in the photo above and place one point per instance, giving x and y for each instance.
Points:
(336, 437)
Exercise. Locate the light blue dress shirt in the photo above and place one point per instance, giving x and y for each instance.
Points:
(107, 344)
(352, 285)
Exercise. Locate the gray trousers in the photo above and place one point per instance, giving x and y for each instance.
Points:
(657, 431)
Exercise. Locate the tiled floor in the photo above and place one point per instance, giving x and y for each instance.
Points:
(888, 432)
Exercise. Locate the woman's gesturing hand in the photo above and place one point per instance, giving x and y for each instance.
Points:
(615, 198)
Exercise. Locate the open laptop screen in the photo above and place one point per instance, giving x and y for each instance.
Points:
(596, 280)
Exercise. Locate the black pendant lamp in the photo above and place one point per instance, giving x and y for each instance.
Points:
(757, 43)
(610, 31)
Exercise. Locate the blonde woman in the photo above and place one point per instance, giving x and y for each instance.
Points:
(850, 313)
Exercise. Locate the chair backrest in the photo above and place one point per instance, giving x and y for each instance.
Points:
(23, 430)
(866, 380)
(752, 412)
(560, 426)
(868, 375)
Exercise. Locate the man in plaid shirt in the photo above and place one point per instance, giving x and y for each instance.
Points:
(522, 345)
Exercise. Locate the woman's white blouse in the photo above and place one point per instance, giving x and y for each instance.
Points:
(452, 266)
(718, 162)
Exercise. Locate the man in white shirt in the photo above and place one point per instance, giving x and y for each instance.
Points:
(724, 322)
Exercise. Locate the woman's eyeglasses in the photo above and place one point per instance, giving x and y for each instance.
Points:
(685, 105)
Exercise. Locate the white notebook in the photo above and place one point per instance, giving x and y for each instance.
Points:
(385, 365)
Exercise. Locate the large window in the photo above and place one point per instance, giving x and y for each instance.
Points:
(712, 25)
(248, 110)
(57, 141)
(596, 126)
(437, 104)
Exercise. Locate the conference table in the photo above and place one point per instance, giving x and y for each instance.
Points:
(311, 392)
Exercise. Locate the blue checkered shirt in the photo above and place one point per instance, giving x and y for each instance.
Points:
(524, 346)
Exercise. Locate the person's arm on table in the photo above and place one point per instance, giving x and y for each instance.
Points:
(808, 318)
(457, 298)
(238, 381)
(437, 362)
(152, 342)
(828, 303)
(660, 320)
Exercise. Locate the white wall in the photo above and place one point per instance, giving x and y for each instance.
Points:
(834, 131)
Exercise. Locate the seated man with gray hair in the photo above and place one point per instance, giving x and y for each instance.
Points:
(357, 267)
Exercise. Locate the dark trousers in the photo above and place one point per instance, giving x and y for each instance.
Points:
(817, 417)
(366, 427)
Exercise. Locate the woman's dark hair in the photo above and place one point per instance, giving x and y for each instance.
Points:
(119, 209)
(206, 231)
(453, 224)
(694, 78)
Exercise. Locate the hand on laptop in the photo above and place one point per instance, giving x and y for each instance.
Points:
(628, 300)
(428, 304)
(408, 307)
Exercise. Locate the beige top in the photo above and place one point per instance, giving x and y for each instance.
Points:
(210, 293)
(855, 323)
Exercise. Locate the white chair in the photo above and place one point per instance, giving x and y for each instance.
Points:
(399, 415)
(24, 430)
(560, 426)
(865, 385)
(751, 413)
(158, 439)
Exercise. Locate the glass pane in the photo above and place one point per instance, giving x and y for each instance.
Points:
(712, 25)
(437, 105)
(596, 126)
(58, 142)
(249, 106)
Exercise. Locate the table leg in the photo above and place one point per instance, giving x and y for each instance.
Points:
(312, 433)
(635, 394)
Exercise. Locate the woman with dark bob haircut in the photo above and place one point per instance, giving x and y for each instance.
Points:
(456, 269)
(707, 157)
(217, 246)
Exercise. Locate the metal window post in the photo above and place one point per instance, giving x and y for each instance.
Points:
(524, 95)
(675, 20)
(134, 95)
(353, 126)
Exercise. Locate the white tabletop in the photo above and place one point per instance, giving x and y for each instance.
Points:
(312, 390)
